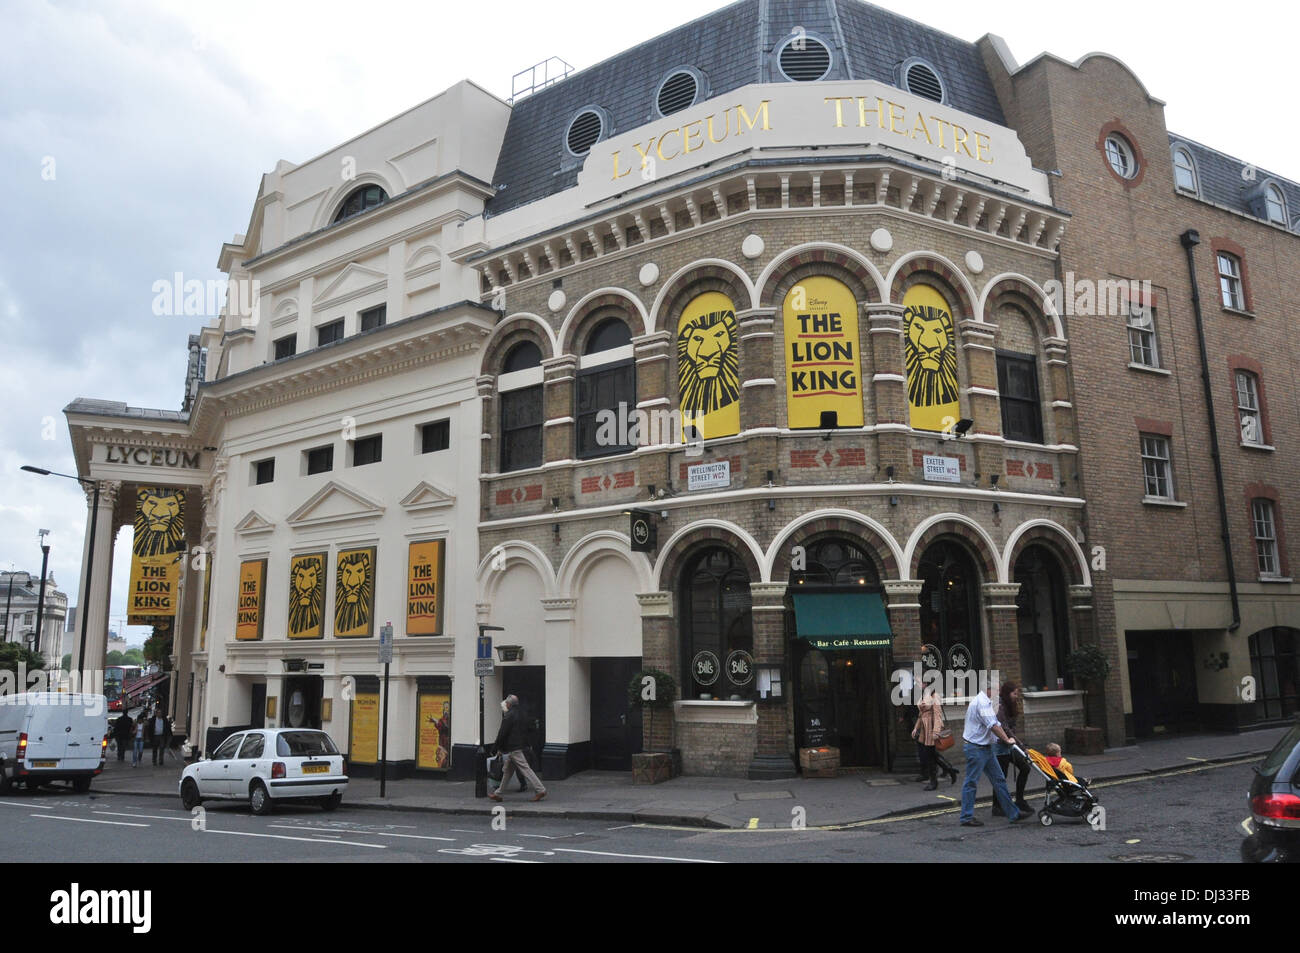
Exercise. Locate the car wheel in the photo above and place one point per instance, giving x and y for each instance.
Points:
(332, 802)
(1044, 818)
(81, 785)
(190, 794)
(259, 799)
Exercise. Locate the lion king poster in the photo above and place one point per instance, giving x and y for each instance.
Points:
(307, 596)
(354, 594)
(708, 367)
(248, 613)
(424, 588)
(821, 354)
(930, 352)
(157, 551)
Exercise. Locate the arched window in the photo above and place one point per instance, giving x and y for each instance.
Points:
(950, 605)
(606, 392)
(716, 627)
(1275, 205)
(520, 388)
(359, 200)
(1184, 171)
(1042, 620)
(836, 563)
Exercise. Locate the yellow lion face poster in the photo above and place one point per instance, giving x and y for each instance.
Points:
(708, 367)
(307, 596)
(930, 352)
(157, 550)
(354, 594)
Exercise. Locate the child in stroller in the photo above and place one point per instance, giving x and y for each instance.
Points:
(1066, 796)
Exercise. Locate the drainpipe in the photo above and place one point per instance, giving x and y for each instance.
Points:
(1190, 239)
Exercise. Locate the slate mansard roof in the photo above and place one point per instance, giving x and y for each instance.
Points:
(1232, 182)
(731, 48)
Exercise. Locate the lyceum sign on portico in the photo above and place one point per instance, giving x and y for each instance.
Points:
(848, 114)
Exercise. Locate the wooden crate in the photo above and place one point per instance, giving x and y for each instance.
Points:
(819, 762)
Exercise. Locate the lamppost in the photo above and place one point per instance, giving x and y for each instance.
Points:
(40, 599)
(8, 599)
(90, 554)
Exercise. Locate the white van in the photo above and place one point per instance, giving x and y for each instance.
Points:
(52, 736)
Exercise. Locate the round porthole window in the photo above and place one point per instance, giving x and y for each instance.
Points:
(584, 131)
(1119, 153)
(921, 80)
(804, 59)
(678, 91)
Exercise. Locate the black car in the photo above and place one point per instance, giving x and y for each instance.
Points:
(1275, 806)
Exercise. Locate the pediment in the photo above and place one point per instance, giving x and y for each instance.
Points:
(425, 258)
(334, 503)
(254, 524)
(427, 496)
(354, 279)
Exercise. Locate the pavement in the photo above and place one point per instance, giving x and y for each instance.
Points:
(702, 802)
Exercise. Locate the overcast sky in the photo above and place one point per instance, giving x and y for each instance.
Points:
(133, 135)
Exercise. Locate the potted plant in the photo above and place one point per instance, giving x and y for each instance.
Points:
(1090, 667)
(652, 689)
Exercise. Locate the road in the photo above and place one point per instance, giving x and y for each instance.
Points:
(1191, 816)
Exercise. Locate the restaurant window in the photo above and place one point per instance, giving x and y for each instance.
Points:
(1042, 620)
(717, 627)
(1022, 415)
(606, 391)
(1275, 664)
(520, 388)
(950, 613)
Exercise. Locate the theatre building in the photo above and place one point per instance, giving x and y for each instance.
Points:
(775, 401)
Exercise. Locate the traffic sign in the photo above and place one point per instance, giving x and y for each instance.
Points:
(483, 667)
(386, 644)
(485, 647)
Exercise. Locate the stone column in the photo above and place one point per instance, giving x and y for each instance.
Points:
(568, 695)
(659, 650)
(904, 608)
(982, 401)
(1002, 651)
(93, 599)
(559, 431)
(1106, 711)
(653, 379)
(889, 386)
(773, 755)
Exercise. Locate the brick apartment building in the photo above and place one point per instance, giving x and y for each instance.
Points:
(737, 356)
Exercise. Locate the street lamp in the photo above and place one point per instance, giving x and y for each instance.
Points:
(40, 599)
(90, 554)
(480, 756)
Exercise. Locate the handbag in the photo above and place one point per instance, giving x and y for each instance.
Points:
(944, 740)
(495, 767)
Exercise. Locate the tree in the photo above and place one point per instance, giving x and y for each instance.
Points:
(12, 654)
(67, 662)
(133, 656)
(157, 648)
(115, 658)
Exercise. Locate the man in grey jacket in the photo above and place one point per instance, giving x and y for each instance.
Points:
(510, 743)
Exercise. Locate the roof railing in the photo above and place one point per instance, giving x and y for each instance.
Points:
(538, 76)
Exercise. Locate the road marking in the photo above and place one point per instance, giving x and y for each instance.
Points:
(86, 820)
(553, 836)
(295, 827)
(608, 853)
(461, 830)
(309, 840)
(43, 807)
(1245, 826)
(1134, 840)
(514, 860)
(945, 797)
(157, 817)
(1190, 758)
(753, 823)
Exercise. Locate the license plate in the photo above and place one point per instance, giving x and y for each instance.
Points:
(45, 764)
(315, 769)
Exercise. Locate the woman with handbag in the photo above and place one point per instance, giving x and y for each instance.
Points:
(1009, 709)
(930, 734)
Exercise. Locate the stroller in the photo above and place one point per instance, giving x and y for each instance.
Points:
(1066, 795)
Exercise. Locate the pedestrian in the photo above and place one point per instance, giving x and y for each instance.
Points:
(1009, 709)
(138, 753)
(123, 731)
(510, 743)
(929, 722)
(978, 735)
(159, 726)
(168, 727)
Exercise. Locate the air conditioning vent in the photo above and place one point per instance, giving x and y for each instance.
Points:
(677, 92)
(584, 132)
(804, 59)
(924, 81)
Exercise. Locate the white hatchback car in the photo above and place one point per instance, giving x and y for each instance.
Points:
(265, 765)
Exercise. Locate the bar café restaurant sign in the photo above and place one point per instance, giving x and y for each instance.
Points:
(856, 115)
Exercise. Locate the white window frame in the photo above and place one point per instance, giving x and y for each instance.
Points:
(1275, 205)
(1121, 156)
(1248, 407)
(1136, 351)
(1264, 528)
(1157, 466)
(1189, 169)
(1230, 284)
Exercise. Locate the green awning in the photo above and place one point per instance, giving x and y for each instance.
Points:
(842, 620)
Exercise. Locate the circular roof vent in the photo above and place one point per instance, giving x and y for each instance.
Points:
(584, 132)
(924, 81)
(804, 59)
(677, 92)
